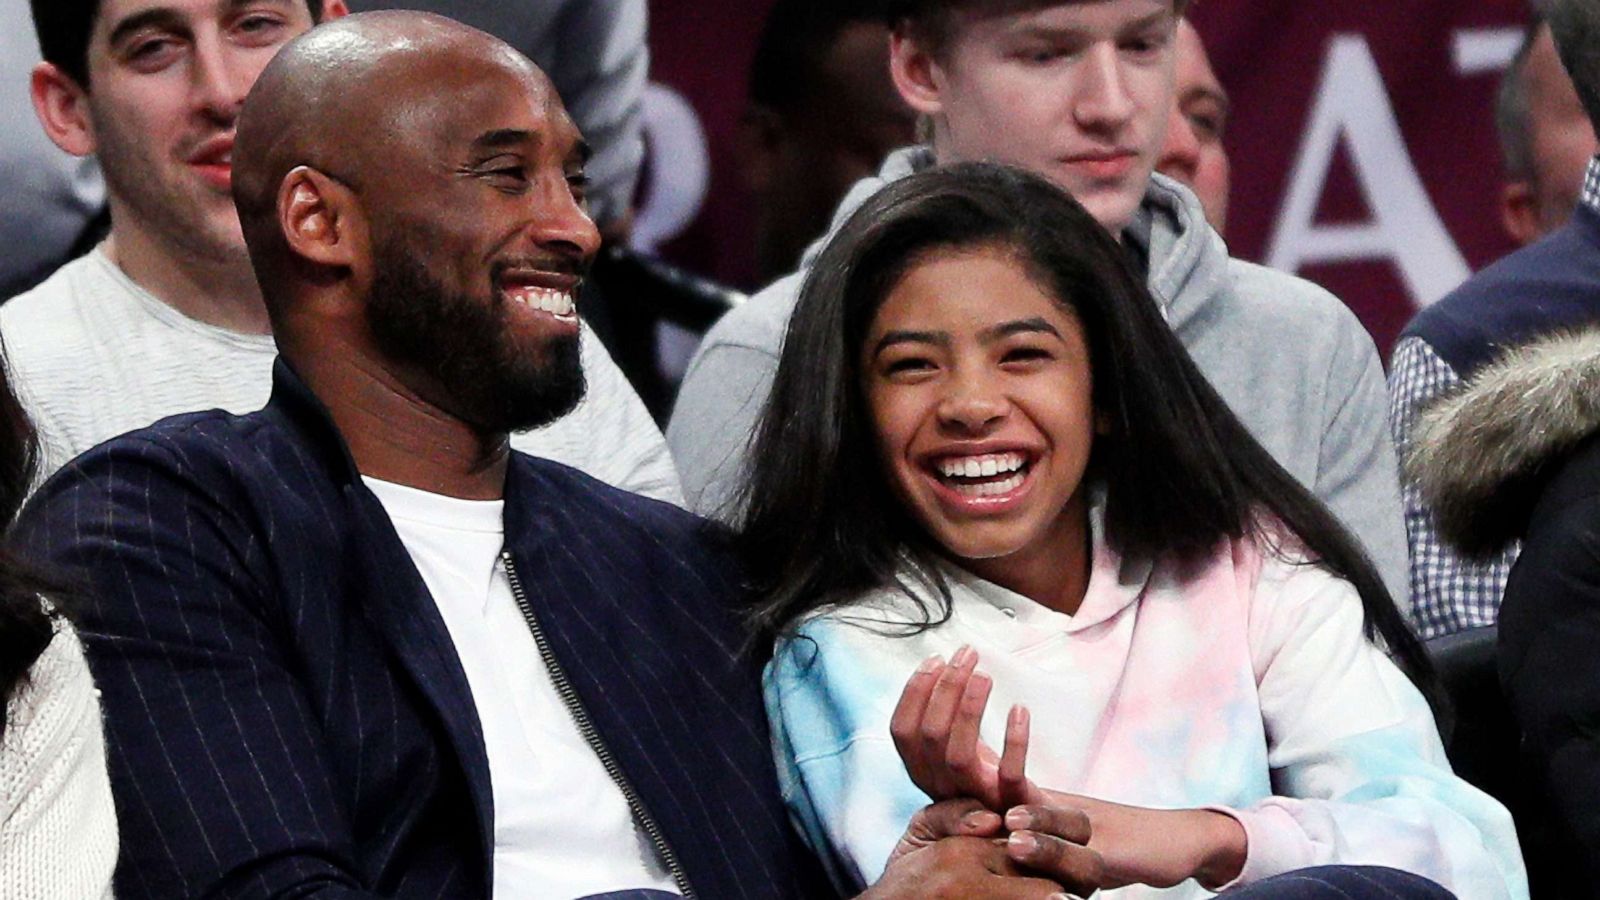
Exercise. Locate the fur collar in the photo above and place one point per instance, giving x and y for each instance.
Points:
(1480, 456)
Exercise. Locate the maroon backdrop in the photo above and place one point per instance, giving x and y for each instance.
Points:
(1362, 144)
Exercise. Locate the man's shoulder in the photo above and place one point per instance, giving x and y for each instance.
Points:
(49, 315)
(1274, 299)
(1552, 283)
(212, 452)
(759, 323)
(595, 510)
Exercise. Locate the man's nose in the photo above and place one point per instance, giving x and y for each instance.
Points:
(221, 79)
(1102, 101)
(561, 222)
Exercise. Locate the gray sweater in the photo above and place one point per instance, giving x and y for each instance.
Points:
(1290, 359)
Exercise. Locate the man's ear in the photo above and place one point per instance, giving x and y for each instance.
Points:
(334, 9)
(916, 73)
(1519, 211)
(62, 106)
(320, 219)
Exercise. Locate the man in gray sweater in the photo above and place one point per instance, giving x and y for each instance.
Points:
(1080, 92)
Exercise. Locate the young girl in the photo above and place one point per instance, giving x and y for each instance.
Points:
(985, 445)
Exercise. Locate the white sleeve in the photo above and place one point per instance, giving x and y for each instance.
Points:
(610, 434)
(1358, 771)
(58, 830)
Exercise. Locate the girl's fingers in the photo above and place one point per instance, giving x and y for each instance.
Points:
(961, 754)
(905, 726)
(940, 713)
(1014, 787)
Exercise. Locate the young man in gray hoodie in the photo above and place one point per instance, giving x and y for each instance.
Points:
(1080, 92)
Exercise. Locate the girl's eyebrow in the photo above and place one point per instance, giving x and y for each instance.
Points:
(1035, 325)
(891, 338)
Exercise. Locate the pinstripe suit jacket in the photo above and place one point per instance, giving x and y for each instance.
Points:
(286, 713)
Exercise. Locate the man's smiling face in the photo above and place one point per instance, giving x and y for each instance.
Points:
(480, 239)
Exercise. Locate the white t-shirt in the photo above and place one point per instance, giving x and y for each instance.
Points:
(562, 827)
(93, 355)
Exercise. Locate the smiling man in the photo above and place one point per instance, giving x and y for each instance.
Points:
(353, 644)
(1081, 92)
(165, 317)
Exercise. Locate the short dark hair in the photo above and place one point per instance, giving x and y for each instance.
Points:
(794, 42)
(1511, 110)
(929, 20)
(64, 26)
(1575, 26)
(821, 526)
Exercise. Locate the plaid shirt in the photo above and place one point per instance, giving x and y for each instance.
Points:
(1449, 593)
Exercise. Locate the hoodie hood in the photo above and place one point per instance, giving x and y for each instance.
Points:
(1185, 260)
(1481, 457)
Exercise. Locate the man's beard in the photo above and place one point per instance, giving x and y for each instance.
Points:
(463, 344)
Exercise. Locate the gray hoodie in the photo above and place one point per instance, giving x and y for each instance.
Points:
(1290, 359)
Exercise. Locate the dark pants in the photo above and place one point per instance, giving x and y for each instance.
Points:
(1343, 883)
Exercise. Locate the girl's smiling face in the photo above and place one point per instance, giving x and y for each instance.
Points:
(979, 387)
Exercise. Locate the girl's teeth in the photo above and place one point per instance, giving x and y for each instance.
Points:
(980, 466)
(990, 488)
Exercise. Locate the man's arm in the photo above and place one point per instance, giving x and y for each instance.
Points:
(1357, 470)
(1449, 593)
(221, 780)
(600, 65)
(713, 420)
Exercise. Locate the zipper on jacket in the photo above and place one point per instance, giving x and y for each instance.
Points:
(569, 697)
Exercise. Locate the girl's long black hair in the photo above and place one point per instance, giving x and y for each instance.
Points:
(819, 525)
(26, 625)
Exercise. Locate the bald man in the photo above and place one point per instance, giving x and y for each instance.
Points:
(353, 645)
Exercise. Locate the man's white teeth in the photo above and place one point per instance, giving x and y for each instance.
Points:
(557, 303)
(990, 488)
(980, 466)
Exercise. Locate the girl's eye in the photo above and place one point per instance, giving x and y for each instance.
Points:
(1025, 354)
(907, 365)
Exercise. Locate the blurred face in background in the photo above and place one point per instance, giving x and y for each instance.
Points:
(1079, 92)
(166, 80)
(1193, 153)
(1560, 143)
(800, 162)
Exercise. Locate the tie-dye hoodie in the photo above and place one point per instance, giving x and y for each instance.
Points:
(1244, 685)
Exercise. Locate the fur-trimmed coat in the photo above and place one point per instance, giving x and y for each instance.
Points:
(1516, 454)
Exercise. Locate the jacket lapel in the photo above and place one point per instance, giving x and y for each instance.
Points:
(404, 613)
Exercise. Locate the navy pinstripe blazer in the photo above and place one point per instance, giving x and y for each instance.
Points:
(286, 714)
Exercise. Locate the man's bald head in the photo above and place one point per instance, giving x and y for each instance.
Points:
(411, 192)
(340, 100)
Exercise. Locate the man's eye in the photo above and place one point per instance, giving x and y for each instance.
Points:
(258, 24)
(578, 182)
(152, 54)
(1206, 126)
(1043, 55)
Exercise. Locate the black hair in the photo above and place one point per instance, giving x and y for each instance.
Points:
(26, 624)
(1511, 112)
(1575, 27)
(64, 27)
(794, 43)
(1180, 472)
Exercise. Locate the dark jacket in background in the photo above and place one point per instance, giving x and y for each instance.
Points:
(1517, 454)
(1549, 285)
(286, 713)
